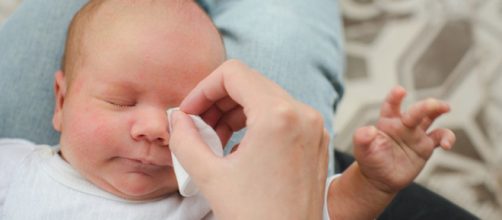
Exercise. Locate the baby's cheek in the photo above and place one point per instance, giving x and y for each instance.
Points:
(91, 128)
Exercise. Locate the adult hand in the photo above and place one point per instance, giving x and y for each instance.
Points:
(280, 167)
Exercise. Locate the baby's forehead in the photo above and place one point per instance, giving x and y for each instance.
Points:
(123, 18)
(123, 24)
(155, 11)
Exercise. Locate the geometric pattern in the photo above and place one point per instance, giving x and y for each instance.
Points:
(448, 49)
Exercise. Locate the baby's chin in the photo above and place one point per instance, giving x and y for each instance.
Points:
(141, 187)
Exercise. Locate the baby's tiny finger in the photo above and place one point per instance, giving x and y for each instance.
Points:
(431, 117)
(364, 135)
(423, 113)
(362, 139)
(392, 104)
(443, 137)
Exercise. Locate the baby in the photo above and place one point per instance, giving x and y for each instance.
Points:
(125, 63)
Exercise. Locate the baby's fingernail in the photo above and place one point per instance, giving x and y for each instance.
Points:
(445, 143)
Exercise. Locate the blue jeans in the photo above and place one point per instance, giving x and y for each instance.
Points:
(296, 43)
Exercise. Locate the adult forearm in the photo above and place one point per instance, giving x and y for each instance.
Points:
(352, 196)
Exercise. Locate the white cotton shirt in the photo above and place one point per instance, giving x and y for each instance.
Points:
(36, 183)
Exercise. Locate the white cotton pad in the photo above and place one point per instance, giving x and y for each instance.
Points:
(186, 186)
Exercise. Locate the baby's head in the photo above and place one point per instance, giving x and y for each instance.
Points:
(125, 63)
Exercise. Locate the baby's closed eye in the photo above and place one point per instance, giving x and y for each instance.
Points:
(121, 104)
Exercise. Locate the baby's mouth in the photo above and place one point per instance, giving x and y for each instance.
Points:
(140, 166)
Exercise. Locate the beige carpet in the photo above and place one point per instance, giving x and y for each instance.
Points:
(451, 49)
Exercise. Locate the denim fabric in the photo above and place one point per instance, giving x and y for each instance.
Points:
(31, 46)
(296, 43)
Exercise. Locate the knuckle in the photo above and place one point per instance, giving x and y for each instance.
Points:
(285, 116)
(313, 117)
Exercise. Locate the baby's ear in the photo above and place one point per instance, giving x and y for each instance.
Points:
(59, 92)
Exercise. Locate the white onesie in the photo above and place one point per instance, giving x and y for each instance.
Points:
(44, 186)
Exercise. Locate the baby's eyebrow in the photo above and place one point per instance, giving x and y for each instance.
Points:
(117, 86)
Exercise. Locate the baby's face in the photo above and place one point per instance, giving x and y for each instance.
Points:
(113, 119)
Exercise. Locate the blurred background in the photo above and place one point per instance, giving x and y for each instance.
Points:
(449, 49)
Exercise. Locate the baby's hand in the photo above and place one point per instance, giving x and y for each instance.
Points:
(391, 155)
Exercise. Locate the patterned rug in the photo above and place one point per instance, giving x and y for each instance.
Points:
(449, 49)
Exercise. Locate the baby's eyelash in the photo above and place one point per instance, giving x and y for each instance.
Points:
(120, 105)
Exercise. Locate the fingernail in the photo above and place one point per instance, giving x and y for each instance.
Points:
(445, 143)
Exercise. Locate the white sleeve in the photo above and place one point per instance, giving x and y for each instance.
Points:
(329, 180)
(12, 153)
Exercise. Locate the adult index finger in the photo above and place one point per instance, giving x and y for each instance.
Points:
(232, 79)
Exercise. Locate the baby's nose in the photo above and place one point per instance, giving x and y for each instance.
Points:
(151, 125)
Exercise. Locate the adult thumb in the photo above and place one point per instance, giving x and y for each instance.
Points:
(190, 149)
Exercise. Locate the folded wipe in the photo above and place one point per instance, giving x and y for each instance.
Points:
(186, 186)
